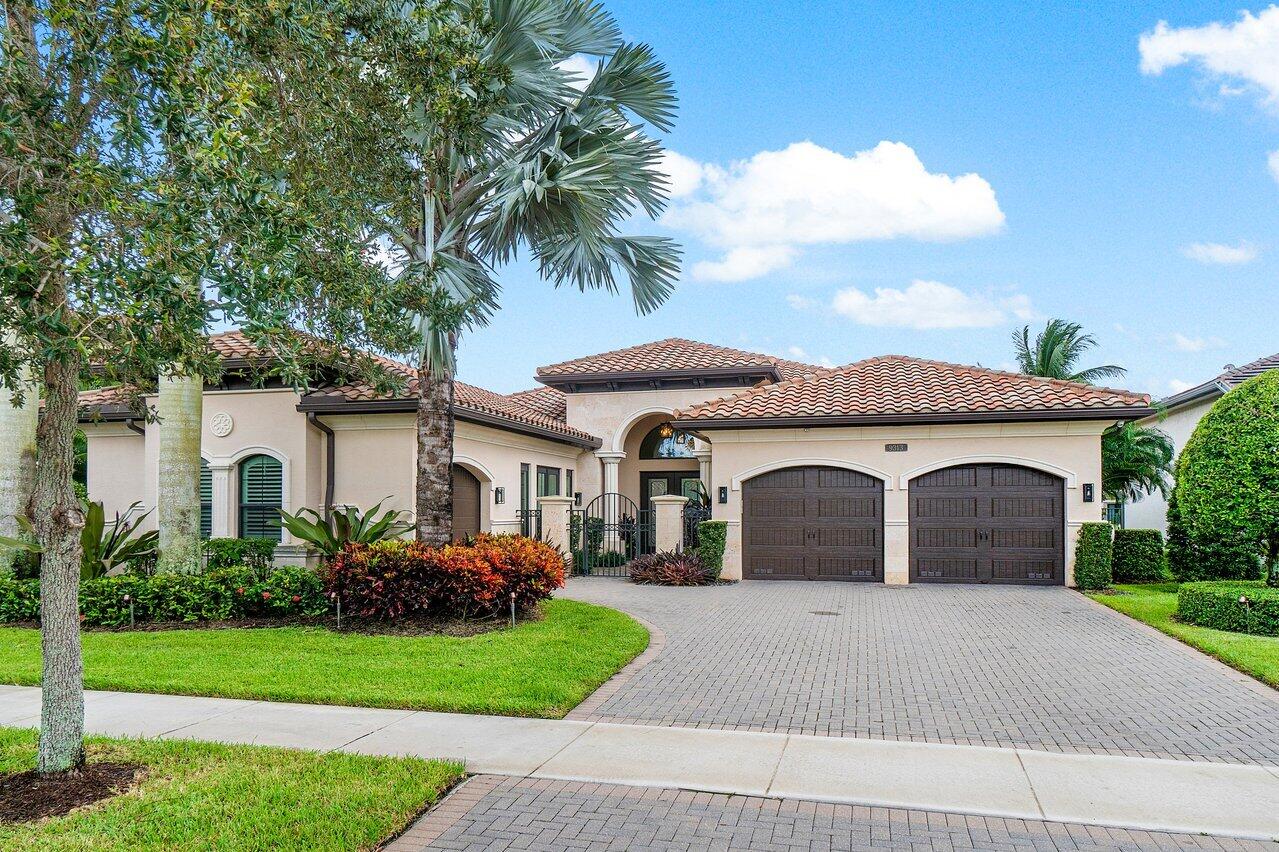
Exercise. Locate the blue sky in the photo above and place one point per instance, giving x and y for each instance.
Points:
(922, 178)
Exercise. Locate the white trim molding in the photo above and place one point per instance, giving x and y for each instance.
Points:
(482, 472)
(843, 464)
(620, 433)
(286, 483)
(1020, 461)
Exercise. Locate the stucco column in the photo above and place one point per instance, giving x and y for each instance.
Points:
(668, 513)
(224, 501)
(896, 536)
(555, 521)
(611, 459)
(703, 456)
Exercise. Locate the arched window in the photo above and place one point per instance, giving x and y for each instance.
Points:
(261, 497)
(664, 442)
(206, 500)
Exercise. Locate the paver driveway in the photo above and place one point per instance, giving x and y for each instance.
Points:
(1041, 668)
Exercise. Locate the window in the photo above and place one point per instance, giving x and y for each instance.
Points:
(261, 497)
(548, 481)
(568, 483)
(206, 500)
(663, 442)
(526, 519)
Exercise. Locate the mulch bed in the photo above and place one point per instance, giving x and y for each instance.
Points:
(417, 626)
(28, 796)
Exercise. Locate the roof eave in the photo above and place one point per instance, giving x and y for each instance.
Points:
(1027, 416)
(1216, 387)
(467, 415)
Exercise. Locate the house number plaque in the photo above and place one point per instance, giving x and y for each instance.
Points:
(894, 448)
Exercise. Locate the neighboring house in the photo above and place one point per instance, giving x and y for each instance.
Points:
(1179, 415)
(891, 469)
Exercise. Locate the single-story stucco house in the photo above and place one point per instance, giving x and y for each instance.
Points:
(1178, 415)
(892, 469)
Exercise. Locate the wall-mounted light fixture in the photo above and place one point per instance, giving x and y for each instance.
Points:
(577, 498)
(499, 495)
(1088, 492)
(723, 494)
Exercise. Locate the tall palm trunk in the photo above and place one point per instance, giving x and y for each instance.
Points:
(58, 518)
(181, 411)
(17, 463)
(434, 458)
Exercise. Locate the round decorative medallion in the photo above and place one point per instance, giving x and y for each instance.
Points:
(221, 424)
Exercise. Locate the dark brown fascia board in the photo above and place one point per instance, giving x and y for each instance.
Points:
(1212, 388)
(559, 380)
(1127, 413)
(105, 414)
(467, 415)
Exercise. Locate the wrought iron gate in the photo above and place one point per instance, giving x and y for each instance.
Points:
(608, 534)
(694, 514)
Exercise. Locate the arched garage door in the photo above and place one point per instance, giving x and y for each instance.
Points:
(813, 523)
(987, 523)
(466, 503)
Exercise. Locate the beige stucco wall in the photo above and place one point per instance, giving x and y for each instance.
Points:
(1068, 449)
(115, 467)
(1151, 511)
(618, 419)
(375, 456)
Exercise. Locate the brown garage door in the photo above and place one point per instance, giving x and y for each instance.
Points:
(987, 523)
(466, 503)
(813, 523)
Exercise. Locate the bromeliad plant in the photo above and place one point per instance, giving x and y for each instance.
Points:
(103, 546)
(344, 526)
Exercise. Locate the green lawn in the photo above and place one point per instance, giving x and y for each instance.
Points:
(216, 797)
(541, 668)
(1155, 604)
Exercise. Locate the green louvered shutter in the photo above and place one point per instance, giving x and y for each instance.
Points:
(261, 496)
(206, 500)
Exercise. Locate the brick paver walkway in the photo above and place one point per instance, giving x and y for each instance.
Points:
(1042, 668)
(492, 813)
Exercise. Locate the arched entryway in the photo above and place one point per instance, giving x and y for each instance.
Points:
(813, 523)
(466, 503)
(987, 523)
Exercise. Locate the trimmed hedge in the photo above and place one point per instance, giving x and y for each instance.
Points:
(393, 579)
(1093, 555)
(1138, 556)
(255, 553)
(230, 593)
(1217, 605)
(712, 536)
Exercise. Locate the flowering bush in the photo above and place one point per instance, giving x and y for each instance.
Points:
(393, 579)
(671, 569)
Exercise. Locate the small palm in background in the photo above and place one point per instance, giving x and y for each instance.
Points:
(1136, 460)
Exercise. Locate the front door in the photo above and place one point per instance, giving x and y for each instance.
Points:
(657, 483)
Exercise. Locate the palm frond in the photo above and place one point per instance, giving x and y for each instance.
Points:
(634, 80)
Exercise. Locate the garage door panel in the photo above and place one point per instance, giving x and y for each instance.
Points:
(1004, 526)
(813, 523)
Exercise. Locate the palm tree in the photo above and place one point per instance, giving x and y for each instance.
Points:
(181, 410)
(1136, 460)
(553, 166)
(1056, 350)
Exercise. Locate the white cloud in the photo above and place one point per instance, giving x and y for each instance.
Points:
(928, 305)
(761, 210)
(581, 68)
(800, 303)
(1246, 51)
(1196, 344)
(684, 173)
(1177, 385)
(744, 262)
(1219, 253)
(796, 352)
(1273, 162)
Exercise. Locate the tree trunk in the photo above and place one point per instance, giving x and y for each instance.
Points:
(17, 463)
(58, 518)
(434, 458)
(1272, 561)
(181, 410)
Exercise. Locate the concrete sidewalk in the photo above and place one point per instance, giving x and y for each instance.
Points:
(1157, 795)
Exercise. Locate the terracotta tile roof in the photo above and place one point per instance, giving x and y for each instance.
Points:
(895, 385)
(1228, 379)
(549, 401)
(671, 355)
(538, 413)
(100, 397)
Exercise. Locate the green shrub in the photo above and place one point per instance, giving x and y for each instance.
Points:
(1093, 555)
(221, 595)
(711, 538)
(1217, 605)
(255, 553)
(1227, 487)
(19, 599)
(1138, 556)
